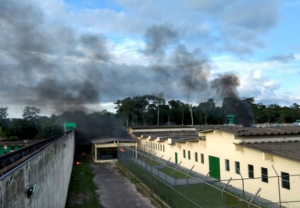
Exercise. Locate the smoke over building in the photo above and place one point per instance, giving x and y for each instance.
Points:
(53, 66)
(226, 86)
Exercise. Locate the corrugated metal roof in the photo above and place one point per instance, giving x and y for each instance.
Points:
(258, 131)
(288, 150)
(110, 140)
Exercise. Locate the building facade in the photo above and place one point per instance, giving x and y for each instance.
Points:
(253, 158)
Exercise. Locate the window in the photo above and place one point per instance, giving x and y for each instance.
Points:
(227, 166)
(285, 180)
(183, 153)
(189, 155)
(250, 171)
(163, 148)
(202, 158)
(264, 175)
(196, 156)
(237, 167)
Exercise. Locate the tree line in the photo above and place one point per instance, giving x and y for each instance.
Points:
(30, 126)
(143, 110)
(155, 110)
(33, 126)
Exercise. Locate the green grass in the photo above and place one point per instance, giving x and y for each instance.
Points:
(81, 193)
(173, 173)
(148, 161)
(168, 170)
(177, 196)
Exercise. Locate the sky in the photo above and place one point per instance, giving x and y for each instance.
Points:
(60, 55)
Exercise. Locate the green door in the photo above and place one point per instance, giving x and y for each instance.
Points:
(214, 167)
(176, 158)
(1, 150)
(8, 149)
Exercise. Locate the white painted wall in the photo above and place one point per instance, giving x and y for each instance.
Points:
(221, 144)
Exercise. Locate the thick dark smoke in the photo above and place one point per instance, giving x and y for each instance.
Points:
(95, 47)
(187, 70)
(194, 70)
(226, 86)
(46, 64)
(38, 60)
(190, 71)
(91, 126)
(158, 37)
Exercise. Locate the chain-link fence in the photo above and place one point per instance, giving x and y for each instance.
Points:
(179, 187)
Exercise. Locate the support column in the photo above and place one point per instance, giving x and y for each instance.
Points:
(96, 154)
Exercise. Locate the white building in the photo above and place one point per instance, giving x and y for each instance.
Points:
(256, 154)
(106, 149)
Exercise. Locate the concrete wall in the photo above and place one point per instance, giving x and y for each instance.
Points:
(50, 170)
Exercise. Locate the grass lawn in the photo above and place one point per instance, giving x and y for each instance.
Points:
(169, 171)
(173, 173)
(81, 193)
(178, 196)
(148, 160)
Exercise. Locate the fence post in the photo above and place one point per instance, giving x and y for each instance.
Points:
(278, 186)
(166, 164)
(159, 165)
(166, 180)
(250, 203)
(168, 161)
(136, 150)
(152, 159)
(176, 171)
(187, 184)
(203, 202)
(223, 200)
(243, 186)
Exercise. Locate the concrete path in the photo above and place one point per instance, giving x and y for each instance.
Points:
(114, 191)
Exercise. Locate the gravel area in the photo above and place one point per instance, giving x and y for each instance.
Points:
(114, 191)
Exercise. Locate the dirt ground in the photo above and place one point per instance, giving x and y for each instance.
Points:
(114, 191)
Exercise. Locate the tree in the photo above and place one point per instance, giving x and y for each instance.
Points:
(271, 113)
(158, 99)
(2, 133)
(3, 112)
(190, 106)
(207, 108)
(22, 129)
(142, 104)
(125, 108)
(47, 127)
(31, 114)
(4, 121)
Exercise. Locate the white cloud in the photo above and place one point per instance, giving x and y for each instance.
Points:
(265, 81)
(127, 51)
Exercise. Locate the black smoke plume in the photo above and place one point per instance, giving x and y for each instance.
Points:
(91, 126)
(194, 70)
(158, 38)
(48, 65)
(226, 86)
(187, 70)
